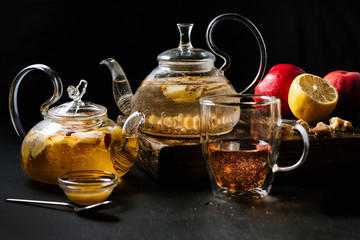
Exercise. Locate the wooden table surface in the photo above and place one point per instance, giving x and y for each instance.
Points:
(173, 159)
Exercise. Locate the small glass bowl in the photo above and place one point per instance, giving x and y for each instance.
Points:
(88, 187)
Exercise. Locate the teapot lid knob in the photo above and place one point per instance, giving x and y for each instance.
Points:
(185, 33)
(185, 52)
(77, 109)
(74, 92)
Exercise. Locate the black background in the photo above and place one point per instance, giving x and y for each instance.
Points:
(74, 36)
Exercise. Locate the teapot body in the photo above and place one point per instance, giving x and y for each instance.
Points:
(170, 98)
(51, 149)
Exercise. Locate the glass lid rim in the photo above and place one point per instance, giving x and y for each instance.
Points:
(189, 55)
(98, 111)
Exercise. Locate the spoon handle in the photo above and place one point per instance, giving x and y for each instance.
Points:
(37, 202)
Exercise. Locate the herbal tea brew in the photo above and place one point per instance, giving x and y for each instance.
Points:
(241, 165)
(242, 162)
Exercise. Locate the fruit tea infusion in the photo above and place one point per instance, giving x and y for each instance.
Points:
(44, 156)
(240, 166)
(182, 118)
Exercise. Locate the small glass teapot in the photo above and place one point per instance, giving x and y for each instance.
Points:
(169, 94)
(73, 136)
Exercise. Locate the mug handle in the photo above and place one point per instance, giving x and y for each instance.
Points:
(225, 57)
(306, 148)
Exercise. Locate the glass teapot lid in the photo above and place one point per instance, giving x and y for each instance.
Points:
(186, 52)
(77, 109)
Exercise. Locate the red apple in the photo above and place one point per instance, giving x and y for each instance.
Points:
(348, 86)
(277, 83)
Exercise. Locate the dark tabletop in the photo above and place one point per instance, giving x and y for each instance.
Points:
(323, 204)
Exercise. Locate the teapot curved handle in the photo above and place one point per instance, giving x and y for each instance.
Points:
(13, 107)
(125, 153)
(225, 57)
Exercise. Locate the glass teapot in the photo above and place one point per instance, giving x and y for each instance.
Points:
(76, 135)
(169, 94)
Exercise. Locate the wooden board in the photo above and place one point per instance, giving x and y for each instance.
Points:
(173, 159)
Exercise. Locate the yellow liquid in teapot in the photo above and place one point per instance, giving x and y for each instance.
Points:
(45, 158)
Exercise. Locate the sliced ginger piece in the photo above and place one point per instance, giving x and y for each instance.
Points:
(338, 124)
(322, 130)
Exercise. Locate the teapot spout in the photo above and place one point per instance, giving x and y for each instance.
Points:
(121, 87)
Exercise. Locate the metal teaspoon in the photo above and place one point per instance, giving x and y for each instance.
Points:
(80, 210)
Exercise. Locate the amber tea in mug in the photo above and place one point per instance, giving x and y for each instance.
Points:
(241, 158)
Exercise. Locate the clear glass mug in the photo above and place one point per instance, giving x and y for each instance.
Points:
(240, 140)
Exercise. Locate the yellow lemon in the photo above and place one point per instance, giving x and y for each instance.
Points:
(311, 98)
